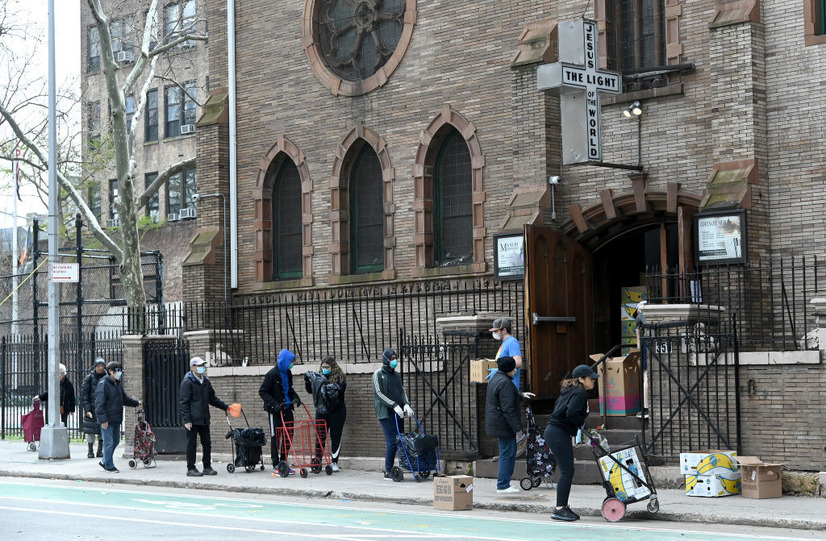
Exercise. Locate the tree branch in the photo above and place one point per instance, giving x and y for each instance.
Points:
(162, 179)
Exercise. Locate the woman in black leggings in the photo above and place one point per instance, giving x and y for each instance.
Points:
(331, 394)
(570, 412)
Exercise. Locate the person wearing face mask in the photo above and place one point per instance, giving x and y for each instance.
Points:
(570, 412)
(327, 389)
(391, 405)
(110, 397)
(67, 396)
(510, 347)
(197, 395)
(87, 398)
(279, 401)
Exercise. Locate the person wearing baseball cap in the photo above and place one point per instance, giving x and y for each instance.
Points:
(501, 330)
(570, 412)
(197, 395)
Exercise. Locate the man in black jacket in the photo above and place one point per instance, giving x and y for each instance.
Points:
(197, 395)
(503, 420)
(280, 398)
(109, 401)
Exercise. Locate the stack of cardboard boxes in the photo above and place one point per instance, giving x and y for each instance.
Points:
(710, 474)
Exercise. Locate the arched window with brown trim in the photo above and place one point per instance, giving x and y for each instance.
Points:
(286, 220)
(366, 213)
(452, 202)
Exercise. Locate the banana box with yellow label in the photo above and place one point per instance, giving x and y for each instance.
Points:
(627, 482)
(709, 462)
(713, 485)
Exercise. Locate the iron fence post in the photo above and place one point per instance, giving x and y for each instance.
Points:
(79, 289)
(35, 300)
(4, 388)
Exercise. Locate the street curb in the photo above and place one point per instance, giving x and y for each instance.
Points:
(520, 505)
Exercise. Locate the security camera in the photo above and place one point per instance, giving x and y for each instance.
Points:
(554, 179)
(195, 197)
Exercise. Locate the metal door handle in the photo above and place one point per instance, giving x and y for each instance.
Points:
(536, 319)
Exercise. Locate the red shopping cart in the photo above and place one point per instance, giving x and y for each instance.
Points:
(306, 442)
(32, 423)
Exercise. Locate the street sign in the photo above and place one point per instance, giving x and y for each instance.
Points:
(64, 272)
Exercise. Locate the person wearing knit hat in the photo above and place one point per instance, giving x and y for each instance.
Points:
(391, 404)
(503, 420)
(87, 400)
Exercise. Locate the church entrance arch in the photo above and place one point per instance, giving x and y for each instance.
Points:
(576, 276)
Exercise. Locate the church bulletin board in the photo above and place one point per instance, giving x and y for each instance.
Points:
(720, 237)
(509, 256)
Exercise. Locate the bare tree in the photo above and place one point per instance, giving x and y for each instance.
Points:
(119, 84)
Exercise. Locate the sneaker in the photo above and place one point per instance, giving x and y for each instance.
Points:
(335, 467)
(509, 490)
(209, 471)
(193, 473)
(643, 414)
(571, 512)
(388, 476)
(101, 465)
(564, 514)
(113, 470)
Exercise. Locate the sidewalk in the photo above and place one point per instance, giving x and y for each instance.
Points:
(788, 511)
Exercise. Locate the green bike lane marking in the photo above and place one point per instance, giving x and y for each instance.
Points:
(331, 515)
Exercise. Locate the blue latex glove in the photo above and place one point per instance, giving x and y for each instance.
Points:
(491, 371)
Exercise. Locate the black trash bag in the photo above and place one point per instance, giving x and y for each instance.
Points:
(417, 444)
(248, 443)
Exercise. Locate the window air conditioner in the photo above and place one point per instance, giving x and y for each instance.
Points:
(114, 222)
(124, 57)
(190, 212)
(187, 129)
(172, 217)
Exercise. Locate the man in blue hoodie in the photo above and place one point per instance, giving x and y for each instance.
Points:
(197, 395)
(279, 400)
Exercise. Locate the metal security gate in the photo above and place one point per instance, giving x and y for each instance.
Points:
(693, 373)
(436, 377)
(166, 362)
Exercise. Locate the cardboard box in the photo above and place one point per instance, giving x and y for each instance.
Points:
(711, 486)
(760, 480)
(625, 485)
(620, 383)
(453, 493)
(479, 369)
(708, 462)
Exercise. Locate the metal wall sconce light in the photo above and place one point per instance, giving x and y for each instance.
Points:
(635, 109)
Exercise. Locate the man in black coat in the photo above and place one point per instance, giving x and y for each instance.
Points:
(110, 398)
(504, 421)
(197, 395)
(87, 399)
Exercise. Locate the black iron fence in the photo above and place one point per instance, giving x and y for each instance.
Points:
(772, 299)
(354, 323)
(23, 368)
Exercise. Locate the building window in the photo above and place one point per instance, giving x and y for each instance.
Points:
(366, 213)
(180, 110)
(113, 194)
(636, 34)
(179, 20)
(286, 222)
(152, 115)
(94, 201)
(814, 21)
(94, 48)
(453, 204)
(122, 40)
(94, 124)
(152, 206)
(130, 111)
(179, 191)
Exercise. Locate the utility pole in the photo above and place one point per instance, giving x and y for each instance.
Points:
(54, 438)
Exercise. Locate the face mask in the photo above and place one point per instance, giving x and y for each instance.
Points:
(291, 366)
(200, 369)
(118, 375)
(326, 371)
(496, 336)
(394, 363)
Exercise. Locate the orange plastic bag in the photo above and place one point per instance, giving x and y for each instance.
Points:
(235, 410)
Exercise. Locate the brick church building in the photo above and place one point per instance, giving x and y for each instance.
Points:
(379, 150)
